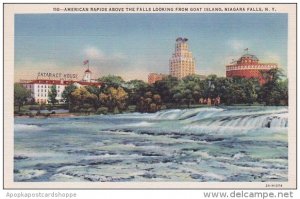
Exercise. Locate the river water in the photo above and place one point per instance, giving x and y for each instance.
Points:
(227, 144)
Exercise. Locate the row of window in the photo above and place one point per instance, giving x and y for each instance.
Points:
(182, 58)
(46, 86)
(42, 95)
(178, 46)
(182, 68)
(46, 95)
(250, 67)
(41, 101)
(183, 61)
(248, 61)
(46, 90)
(46, 101)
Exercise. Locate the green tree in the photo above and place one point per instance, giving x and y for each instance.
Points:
(112, 81)
(193, 88)
(66, 95)
(272, 75)
(149, 103)
(52, 94)
(114, 99)
(96, 91)
(275, 89)
(164, 87)
(223, 89)
(82, 99)
(21, 95)
(283, 86)
(251, 88)
(178, 98)
(136, 89)
(183, 94)
(136, 84)
(210, 89)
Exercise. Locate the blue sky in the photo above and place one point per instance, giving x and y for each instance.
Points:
(132, 45)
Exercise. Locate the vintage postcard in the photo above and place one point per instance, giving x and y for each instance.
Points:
(172, 96)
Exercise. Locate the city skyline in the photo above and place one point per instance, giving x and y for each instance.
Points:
(135, 45)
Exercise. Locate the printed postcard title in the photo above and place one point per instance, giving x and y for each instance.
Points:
(158, 8)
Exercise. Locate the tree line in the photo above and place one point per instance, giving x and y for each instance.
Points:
(117, 95)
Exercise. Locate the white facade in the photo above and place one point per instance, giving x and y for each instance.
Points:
(40, 88)
(247, 67)
(87, 76)
(182, 62)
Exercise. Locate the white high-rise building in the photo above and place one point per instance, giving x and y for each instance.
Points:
(182, 62)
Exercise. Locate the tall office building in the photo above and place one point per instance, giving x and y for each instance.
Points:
(182, 62)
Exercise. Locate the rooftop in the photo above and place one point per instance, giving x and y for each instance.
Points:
(253, 57)
(181, 39)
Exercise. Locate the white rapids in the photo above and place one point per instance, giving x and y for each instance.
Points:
(225, 144)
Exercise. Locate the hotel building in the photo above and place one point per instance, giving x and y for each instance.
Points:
(40, 88)
(182, 62)
(248, 66)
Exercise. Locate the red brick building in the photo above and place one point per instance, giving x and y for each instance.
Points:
(153, 77)
(248, 66)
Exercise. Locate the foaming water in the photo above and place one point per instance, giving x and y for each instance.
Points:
(205, 144)
(235, 118)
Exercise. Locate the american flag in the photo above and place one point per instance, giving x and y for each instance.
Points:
(85, 62)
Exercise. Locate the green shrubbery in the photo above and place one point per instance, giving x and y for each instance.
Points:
(102, 110)
(116, 95)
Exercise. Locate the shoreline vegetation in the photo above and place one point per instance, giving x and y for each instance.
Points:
(117, 96)
(53, 114)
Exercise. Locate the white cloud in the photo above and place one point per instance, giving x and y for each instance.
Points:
(237, 45)
(93, 53)
(28, 69)
(100, 64)
(271, 57)
(119, 56)
(230, 59)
